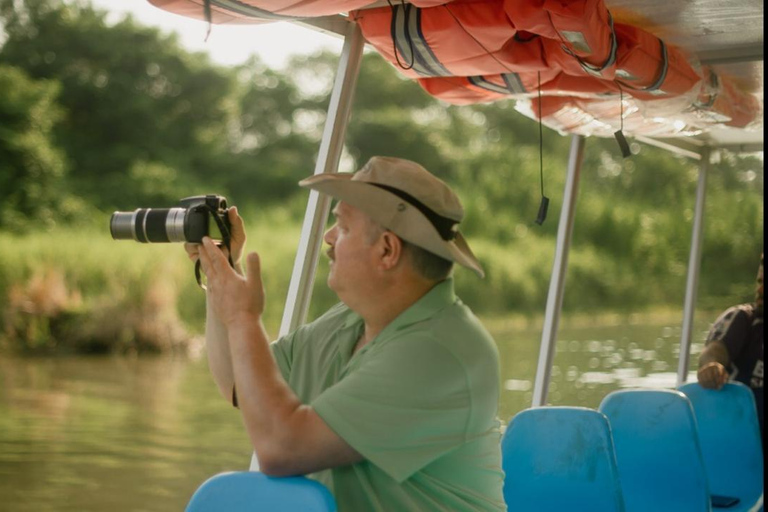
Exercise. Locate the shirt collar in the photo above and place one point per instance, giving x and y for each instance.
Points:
(440, 296)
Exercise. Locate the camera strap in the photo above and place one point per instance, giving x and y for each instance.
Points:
(226, 241)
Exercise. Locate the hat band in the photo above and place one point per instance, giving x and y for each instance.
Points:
(445, 227)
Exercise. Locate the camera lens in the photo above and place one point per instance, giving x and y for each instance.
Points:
(122, 225)
(149, 225)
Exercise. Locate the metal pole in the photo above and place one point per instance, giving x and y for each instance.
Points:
(559, 268)
(303, 276)
(310, 243)
(694, 267)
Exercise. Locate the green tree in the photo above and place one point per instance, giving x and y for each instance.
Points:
(142, 118)
(32, 168)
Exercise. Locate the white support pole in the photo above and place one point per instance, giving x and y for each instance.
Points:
(331, 145)
(694, 267)
(307, 255)
(559, 268)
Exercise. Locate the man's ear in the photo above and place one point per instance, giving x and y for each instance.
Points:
(391, 250)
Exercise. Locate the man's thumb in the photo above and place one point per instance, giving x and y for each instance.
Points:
(253, 263)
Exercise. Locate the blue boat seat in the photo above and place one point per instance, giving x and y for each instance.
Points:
(255, 492)
(729, 434)
(560, 458)
(657, 451)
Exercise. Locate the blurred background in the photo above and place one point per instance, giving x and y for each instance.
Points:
(105, 400)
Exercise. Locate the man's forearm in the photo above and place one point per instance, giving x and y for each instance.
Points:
(217, 348)
(266, 401)
(715, 352)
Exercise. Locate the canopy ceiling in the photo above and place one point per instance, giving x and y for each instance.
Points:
(726, 35)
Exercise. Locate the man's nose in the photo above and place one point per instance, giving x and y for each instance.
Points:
(330, 235)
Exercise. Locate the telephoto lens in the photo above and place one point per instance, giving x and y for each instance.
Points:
(188, 222)
(149, 225)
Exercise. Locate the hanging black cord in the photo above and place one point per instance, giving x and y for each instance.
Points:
(619, 135)
(407, 36)
(541, 137)
(621, 106)
(544, 206)
(208, 17)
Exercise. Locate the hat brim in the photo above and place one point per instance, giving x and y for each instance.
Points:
(395, 214)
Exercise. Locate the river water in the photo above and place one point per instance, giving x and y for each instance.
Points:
(140, 434)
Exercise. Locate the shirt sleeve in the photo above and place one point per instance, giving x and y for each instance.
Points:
(286, 348)
(282, 349)
(405, 406)
(732, 330)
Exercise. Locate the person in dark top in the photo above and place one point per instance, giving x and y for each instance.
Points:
(734, 348)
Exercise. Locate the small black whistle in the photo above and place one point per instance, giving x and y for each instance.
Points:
(543, 207)
(623, 144)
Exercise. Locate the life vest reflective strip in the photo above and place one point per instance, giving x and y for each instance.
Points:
(721, 101)
(259, 11)
(583, 29)
(251, 11)
(407, 35)
(479, 89)
(483, 83)
(649, 67)
(459, 90)
(476, 89)
(194, 9)
(461, 38)
(427, 3)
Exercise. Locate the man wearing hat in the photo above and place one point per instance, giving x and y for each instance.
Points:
(390, 398)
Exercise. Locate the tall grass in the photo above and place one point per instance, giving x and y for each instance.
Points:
(77, 290)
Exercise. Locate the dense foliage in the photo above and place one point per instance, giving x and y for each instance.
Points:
(97, 116)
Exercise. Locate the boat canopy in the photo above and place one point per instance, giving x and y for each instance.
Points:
(688, 71)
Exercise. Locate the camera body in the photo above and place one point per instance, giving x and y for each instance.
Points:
(193, 219)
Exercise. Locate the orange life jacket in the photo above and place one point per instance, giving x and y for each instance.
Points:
(462, 38)
(479, 89)
(470, 51)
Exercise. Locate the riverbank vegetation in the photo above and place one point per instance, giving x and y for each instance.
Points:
(98, 115)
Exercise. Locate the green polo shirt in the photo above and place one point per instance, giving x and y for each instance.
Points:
(419, 402)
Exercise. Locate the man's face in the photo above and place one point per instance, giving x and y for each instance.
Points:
(352, 252)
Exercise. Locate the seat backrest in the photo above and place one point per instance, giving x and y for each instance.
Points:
(560, 458)
(657, 450)
(254, 492)
(730, 439)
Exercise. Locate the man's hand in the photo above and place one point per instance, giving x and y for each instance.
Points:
(237, 240)
(712, 375)
(232, 296)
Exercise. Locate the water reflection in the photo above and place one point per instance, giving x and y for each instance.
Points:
(93, 434)
(593, 361)
(111, 434)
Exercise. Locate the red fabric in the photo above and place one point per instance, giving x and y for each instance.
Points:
(639, 54)
(468, 37)
(461, 91)
(558, 38)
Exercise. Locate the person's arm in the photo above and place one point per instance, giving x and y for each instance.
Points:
(289, 438)
(725, 341)
(713, 364)
(217, 349)
(216, 342)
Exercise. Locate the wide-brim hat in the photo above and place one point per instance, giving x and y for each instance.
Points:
(406, 199)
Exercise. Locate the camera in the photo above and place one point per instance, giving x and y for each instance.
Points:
(190, 221)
